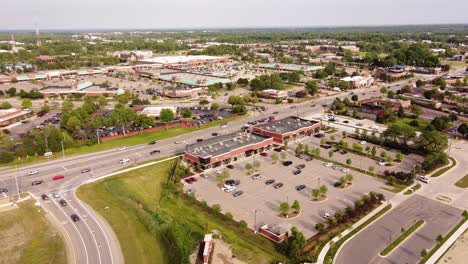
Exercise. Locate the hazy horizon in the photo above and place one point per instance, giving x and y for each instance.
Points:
(219, 14)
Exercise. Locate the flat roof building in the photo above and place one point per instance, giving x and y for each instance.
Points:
(86, 88)
(359, 81)
(273, 94)
(175, 61)
(224, 149)
(288, 129)
(155, 111)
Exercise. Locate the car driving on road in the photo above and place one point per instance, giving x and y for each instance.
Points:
(74, 217)
(124, 161)
(33, 172)
(85, 170)
(36, 183)
(58, 177)
(300, 187)
(63, 202)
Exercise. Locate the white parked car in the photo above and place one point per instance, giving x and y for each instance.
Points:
(363, 142)
(228, 188)
(124, 161)
(345, 170)
(326, 215)
(328, 164)
(178, 142)
(337, 167)
(33, 172)
(382, 163)
(424, 179)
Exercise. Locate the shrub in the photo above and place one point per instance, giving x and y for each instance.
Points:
(228, 216)
(243, 224)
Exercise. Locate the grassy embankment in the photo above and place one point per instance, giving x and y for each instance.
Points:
(154, 225)
(463, 182)
(27, 237)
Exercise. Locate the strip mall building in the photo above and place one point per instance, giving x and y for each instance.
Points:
(225, 149)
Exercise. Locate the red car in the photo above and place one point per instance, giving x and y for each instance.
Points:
(189, 180)
(58, 177)
(263, 154)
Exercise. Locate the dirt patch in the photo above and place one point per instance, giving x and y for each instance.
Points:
(458, 252)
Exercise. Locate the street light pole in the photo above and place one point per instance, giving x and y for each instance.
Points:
(16, 181)
(98, 139)
(63, 150)
(255, 221)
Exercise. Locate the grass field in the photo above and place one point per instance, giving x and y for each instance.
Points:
(463, 182)
(140, 210)
(126, 141)
(27, 237)
(422, 123)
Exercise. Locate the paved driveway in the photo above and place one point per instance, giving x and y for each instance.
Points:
(366, 246)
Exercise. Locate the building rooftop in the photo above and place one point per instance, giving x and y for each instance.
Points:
(223, 144)
(286, 125)
(182, 59)
(291, 67)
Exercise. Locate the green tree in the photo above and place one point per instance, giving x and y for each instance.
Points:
(432, 141)
(215, 106)
(166, 115)
(222, 176)
(144, 121)
(187, 113)
(26, 103)
(416, 110)
(323, 190)
(312, 87)
(274, 157)
(349, 178)
(296, 206)
(373, 151)
(102, 100)
(343, 181)
(330, 153)
(203, 102)
(73, 124)
(349, 161)
(5, 105)
(316, 194)
(463, 129)
(284, 208)
(371, 169)
(67, 105)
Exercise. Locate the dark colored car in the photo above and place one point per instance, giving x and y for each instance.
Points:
(278, 149)
(336, 150)
(36, 182)
(157, 151)
(278, 185)
(152, 142)
(270, 181)
(3, 190)
(230, 166)
(63, 202)
(343, 152)
(337, 184)
(264, 154)
(199, 139)
(300, 187)
(237, 193)
(85, 170)
(74, 217)
(287, 163)
(189, 180)
(300, 166)
(296, 172)
(215, 134)
(275, 113)
(45, 197)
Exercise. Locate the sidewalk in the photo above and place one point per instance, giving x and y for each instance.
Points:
(433, 259)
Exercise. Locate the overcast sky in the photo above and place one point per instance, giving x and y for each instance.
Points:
(101, 14)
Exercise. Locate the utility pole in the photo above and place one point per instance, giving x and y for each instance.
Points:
(63, 150)
(16, 181)
(255, 221)
(97, 134)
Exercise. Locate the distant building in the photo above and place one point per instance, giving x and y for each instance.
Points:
(452, 80)
(46, 58)
(10, 116)
(175, 92)
(427, 70)
(155, 111)
(131, 55)
(274, 94)
(286, 67)
(460, 57)
(379, 102)
(184, 61)
(359, 81)
(86, 88)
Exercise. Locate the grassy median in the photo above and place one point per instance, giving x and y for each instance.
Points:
(27, 237)
(154, 225)
(463, 182)
(406, 233)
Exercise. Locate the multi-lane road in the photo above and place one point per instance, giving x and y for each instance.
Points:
(91, 239)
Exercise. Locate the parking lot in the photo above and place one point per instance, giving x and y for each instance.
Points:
(261, 201)
(365, 247)
(361, 162)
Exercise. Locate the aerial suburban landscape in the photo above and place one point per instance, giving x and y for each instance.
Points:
(234, 132)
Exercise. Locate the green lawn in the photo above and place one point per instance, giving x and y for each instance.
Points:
(444, 170)
(126, 141)
(27, 237)
(147, 216)
(422, 123)
(401, 238)
(463, 182)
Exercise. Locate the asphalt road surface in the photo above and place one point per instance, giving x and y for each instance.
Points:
(87, 237)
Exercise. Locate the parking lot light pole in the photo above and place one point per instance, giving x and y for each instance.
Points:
(63, 149)
(255, 221)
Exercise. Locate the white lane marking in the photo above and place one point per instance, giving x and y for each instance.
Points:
(77, 231)
(89, 228)
(64, 168)
(100, 227)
